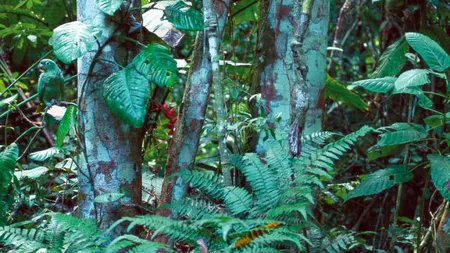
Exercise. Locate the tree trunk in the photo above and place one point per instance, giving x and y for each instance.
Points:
(184, 144)
(275, 70)
(110, 161)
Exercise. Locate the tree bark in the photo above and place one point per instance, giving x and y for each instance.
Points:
(110, 161)
(275, 70)
(184, 144)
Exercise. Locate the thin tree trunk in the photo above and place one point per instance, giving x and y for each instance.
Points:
(211, 14)
(184, 144)
(110, 161)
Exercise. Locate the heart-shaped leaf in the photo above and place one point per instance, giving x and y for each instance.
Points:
(108, 6)
(126, 94)
(72, 40)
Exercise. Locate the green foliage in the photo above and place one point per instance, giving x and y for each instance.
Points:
(108, 197)
(392, 60)
(72, 40)
(381, 180)
(8, 101)
(126, 93)
(183, 17)
(156, 62)
(109, 6)
(382, 85)
(57, 232)
(68, 121)
(8, 159)
(45, 154)
(338, 92)
(412, 78)
(401, 133)
(440, 174)
(433, 54)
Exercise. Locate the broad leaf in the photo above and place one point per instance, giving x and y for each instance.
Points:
(433, 54)
(108, 197)
(72, 40)
(338, 92)
(401, 133)
(382, 85)
(33, 173)
(108, 6)
(381, 180)
(440, 174)
(412, 78)
(156, 62)
(376, 152)
(424, 101)
(393, 59)
(244, 11)
(7, 163)
(43, 155)
(8, 101)
(437, 120)
(68, 121)
(183, 17)
(126, 93)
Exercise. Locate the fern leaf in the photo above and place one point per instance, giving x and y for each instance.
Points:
(196, 209)
(205, 180)
(237, 199)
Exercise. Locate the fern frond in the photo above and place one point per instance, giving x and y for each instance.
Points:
(207, 181)
(262, 180)
(237, 200)
(277, 237)
(22, 238)
(195, 209)
(340, 244)
(135, 244)
(287, 209)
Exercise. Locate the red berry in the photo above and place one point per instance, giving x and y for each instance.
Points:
(174, 120)
(170, 132)
(165, 106)
(170, 126)
(171, 112)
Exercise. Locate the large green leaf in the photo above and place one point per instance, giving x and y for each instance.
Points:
(244, 11)
(401, 133)
(43, 155)
(126, 93)
(72, 40)
(108, 197)
(393, 59)
(338, 92)
(381, 180)
(183, 17)
(437, 120)
(440, 174)
(156, 62)
(424, 101)
(108, 6)
(382, 85)
(7, 163)
(412, 78)
(431, 52)
(33, 173)
(67, 122)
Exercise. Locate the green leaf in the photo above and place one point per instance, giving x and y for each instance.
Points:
(412, 78)
(183, 17)
(43, 155)
(126, 93)
(440, 174)
(338, 92)
(401, 133)
(108, 6)
(244, 11)
(72, 40)
(393, 59)
(433, 54)
(381, 180)
(8, 160)
(33, 173)
(424, 101)
(237, 199)
(9, 100)
(108, 197)
(382, 85)
(437, 120)
(376, 152)
(68, 121)
(156, 62)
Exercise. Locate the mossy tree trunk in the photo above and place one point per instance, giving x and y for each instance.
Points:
(110, 161)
